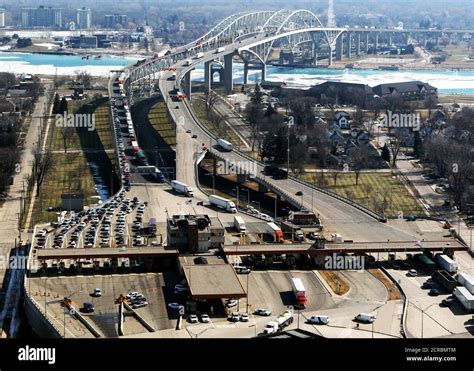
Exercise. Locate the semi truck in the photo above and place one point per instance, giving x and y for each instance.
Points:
(283, 320)
(239, 224)
(295, 230)
(464, 297)
(275, 232)
(299, 292)
(467, 281)
(223, 203)
(224, 144)
(428, 265)
(182, 188)
(448, 264)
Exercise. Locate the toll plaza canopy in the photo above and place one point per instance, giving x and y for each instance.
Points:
(212, 281)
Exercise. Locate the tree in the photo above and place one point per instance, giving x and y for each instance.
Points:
(385, 153)
(254, 115)
(66, 135)
(395, 143)
(257, 96)
(56, 103)
(63, 106)
(335, 174)
(7, 80)
(210, 99)
(43, 162)
(417, 145)
(85, 78)
(217, 122)
(359, 158)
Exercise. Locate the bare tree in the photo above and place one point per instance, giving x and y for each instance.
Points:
(210, 99)
(217, 122)
(359, 158)
(43, 162)
(335, 174)
(66, 135)
(396, 142)
(85, 78)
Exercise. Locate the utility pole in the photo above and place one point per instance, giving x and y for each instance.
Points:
(290, 123)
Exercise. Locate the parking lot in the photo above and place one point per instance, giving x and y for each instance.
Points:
(156, 287)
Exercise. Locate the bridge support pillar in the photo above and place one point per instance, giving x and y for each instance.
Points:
(246, 73)
(339, 45)
(187, 85)
(376, 42)
(207, 76)
(358, 43)
(329, 56)
(264, 72)
(408, 35)
(367, 43)
(348, 45)
(228, 76)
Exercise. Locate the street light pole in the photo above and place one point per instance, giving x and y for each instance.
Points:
(291, 122)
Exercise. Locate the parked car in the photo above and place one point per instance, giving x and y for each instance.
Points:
(89, 308)
(192, 318)
(97, 292)
(433, 292)
(232, 303)
(262, 312)
(447, 302)
(205, 318)
(318, 320)
(244, 317)
(412, 273)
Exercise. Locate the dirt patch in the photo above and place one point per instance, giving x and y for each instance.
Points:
(394, 293)
(335, 281)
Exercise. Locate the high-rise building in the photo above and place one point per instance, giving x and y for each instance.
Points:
(84, 18)
(2, 18)
(41, 17)
(111, 21)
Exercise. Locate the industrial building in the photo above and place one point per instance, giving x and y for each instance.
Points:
(194, 233)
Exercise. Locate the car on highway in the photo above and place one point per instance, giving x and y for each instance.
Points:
(299, 193)
(262, 312)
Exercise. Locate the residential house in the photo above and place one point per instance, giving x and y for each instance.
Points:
(409, 90)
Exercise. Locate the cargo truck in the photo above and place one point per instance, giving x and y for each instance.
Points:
(223, 203)
(465, 298)
(283, 320)
(198, 55)
(299, 292)
(239, 224)
(182, 188)
(448, 264)
(224, 144)
(275, 232)
(467, 281)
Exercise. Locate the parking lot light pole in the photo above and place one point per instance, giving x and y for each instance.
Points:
(290, 123)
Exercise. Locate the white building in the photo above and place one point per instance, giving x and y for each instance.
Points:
(84, 18)
(2, 18)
